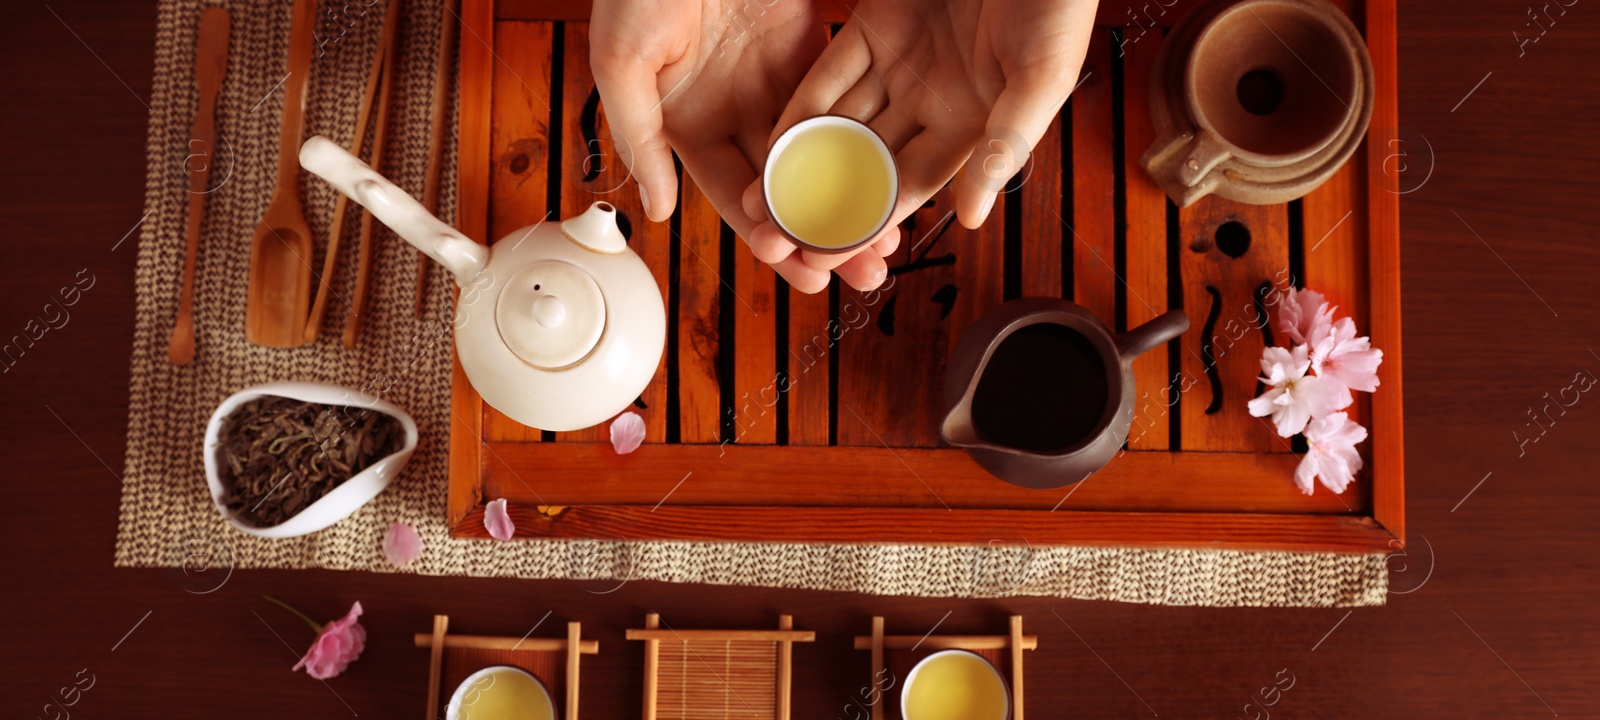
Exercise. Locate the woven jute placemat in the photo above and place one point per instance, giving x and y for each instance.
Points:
(168, 520)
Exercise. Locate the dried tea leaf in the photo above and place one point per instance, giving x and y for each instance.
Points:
(282, 455)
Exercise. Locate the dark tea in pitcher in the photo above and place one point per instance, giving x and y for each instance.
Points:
(1043, 389)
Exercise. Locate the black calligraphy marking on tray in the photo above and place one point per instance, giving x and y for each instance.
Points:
(886, 318)
(946, 297)
(589, 126)
(1207, 355)
(638, 402)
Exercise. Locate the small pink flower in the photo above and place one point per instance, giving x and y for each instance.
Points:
(1302, 313)
(1333, 458)
(497, 521)
(402, 545)
(627, 432)
(1295, 397)
(337, 645)
(1337, 355)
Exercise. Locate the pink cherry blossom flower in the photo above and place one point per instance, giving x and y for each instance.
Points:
(1302, 312)
(1295, 397)
(1337, 355)
(337, 645)
(627, 432)
(402, 544)
(1333, 458)
(497, 521)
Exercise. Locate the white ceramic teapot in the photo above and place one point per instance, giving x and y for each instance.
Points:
(559, 326)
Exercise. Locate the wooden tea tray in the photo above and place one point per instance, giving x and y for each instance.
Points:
(780, 416)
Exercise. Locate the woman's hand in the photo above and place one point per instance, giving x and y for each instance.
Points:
(709, 80)
(947, 83)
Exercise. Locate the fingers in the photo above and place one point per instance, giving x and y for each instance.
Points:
(835, 72)
(863, 101)
(926, 163)
(829, 261)
(800, 277)
(1021, 115)
(633, 110)
(863, 271)
(888, 243)
(769, 245)
(722, 172)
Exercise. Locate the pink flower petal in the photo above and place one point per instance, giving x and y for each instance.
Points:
(497, 521)
(339, 644)
(627, 432)
(402, 544)
(1305, 474)
(1333, 458)
(1302, 313)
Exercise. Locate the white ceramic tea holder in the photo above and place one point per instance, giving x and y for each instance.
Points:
(340, 502)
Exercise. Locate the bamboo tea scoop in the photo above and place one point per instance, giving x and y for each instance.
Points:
(210, 65)
(280, 255)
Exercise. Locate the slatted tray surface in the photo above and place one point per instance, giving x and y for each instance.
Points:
(777, 415)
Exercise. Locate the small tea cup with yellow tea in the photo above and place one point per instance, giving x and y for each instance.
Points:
(955, 685)
(830, 184)
(501, 692)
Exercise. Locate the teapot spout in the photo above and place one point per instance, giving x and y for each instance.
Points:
(394, 208)
(596, 229)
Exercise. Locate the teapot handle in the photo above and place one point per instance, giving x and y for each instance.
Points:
(394, 208)
(1164, 327)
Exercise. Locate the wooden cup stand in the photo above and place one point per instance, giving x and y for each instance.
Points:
(541, 657)
(1002, 650)
(683, 679)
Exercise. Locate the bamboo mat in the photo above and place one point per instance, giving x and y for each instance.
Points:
(167, 519)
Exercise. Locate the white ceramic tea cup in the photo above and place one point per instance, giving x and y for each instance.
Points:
(876, 155)
(1001, 712)
(470, 689)
(340, 502)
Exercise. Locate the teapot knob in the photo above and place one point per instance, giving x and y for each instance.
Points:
(549, 311)
(596, 229)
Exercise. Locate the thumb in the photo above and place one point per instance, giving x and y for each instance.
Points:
(633, 110)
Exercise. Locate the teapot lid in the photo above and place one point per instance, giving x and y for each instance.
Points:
(551, 314)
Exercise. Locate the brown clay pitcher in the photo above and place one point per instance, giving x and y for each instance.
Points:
(1040, 391)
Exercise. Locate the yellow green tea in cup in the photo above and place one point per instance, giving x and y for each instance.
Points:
(501, 692)
(830, 183)
(955, 685)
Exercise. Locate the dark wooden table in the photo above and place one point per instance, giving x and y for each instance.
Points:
(1494, 612)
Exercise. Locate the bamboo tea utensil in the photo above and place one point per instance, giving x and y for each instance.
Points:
(681, 682)
(330, 260)
(358, 305)
(441, 98)
(441, 624)
(210, 65)
(280, 255)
